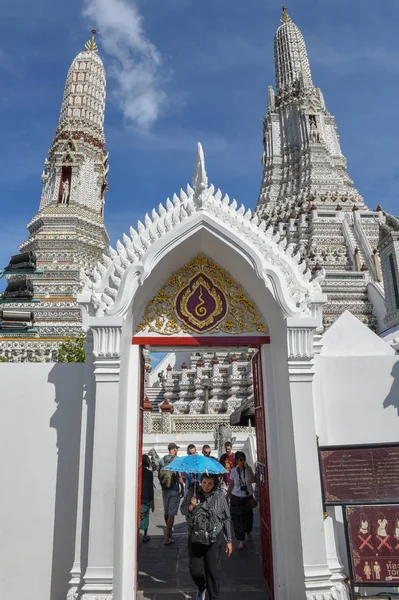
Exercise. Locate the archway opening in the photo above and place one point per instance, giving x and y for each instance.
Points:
(208, 382)
(194, 403)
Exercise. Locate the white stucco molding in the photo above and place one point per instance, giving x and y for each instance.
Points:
(300, 337)
(110, 290)
(107, 334)
(339, 591)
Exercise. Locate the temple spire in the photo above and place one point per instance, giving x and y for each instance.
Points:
(83, 104)
(290, 55)
(91, 45)
(285, 17)
(76, 169)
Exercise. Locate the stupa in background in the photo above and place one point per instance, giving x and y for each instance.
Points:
(68, 233)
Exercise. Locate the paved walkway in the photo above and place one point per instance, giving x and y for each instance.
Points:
(163, 571)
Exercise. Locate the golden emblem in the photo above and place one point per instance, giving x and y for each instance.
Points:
(200, 309)
(199, 298)
(201, 304)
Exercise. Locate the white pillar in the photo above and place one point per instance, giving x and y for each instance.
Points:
(88, 399)
(300, 365)
(285, 516)
(98, 579)
(126, 525)
(334, 562)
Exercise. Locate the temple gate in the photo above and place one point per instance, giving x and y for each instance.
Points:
(215, 259)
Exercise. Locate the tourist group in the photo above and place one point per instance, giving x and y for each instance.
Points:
(217, 497)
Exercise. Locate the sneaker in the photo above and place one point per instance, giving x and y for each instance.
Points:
(146, 538)
(241, 545)
(200, 595)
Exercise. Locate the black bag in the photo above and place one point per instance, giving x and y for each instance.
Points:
(167, 479)
(252, 502)
(203, 523)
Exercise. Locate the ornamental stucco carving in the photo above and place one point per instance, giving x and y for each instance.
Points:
(106, 341)
(201, 298)
(282, 271)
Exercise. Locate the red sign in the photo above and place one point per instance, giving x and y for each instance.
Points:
(373, 533)
(360, 474)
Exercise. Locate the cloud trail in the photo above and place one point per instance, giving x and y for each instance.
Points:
(134, 61)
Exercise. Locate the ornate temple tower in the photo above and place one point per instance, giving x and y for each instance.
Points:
(306, 192)
(68, 232)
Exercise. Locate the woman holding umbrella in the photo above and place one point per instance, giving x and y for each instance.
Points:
(209, 524)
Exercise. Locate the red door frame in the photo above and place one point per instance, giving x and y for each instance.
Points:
(260, 427)
(262, 471)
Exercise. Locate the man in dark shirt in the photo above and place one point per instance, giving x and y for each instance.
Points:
(147, 496)
(228, 461)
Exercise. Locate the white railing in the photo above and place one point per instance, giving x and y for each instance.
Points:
(365, 245)
(169, 423)
(349, 238)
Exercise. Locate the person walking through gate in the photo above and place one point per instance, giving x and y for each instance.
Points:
(172, 490)
(242, 500)
(228, 462)
(209, 525)
(206, 451)
(147, 496)
(189, 478)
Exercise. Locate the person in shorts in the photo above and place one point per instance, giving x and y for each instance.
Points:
(172, 491)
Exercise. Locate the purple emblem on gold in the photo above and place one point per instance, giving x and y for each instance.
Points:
(201, 305)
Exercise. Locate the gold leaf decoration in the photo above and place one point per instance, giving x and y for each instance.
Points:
(201, 298)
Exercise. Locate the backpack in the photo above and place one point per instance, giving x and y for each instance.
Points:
(203, 523)
(167, 479)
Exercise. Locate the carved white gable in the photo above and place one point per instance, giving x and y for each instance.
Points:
(110, 288)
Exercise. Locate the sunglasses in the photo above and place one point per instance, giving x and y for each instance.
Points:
(207, 453)
(241, 459)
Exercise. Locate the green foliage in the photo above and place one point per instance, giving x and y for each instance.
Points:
(72, 350)
(3, 359)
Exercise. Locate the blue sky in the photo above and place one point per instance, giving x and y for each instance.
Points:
(180, 72)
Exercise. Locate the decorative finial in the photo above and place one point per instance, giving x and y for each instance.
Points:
(200, 179)
(285, 18)
(91, 44)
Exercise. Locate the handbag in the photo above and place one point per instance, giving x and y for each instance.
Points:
(252, 502)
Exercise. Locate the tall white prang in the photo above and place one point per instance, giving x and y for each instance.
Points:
(306, 191)
(68, 233)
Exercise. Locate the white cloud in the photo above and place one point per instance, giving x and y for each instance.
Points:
(134, 61)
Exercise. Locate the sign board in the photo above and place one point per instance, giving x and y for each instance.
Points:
(360, 474)
(373, 540)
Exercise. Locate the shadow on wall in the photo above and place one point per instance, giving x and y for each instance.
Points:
(68, 382)
(393, 397)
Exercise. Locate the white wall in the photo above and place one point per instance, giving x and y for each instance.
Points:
(39, 452)
(357, 399)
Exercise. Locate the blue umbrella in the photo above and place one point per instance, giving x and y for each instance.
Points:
(195, 463)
